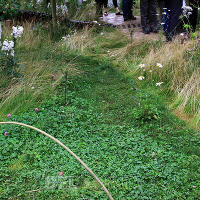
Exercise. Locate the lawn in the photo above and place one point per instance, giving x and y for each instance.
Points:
(121, 128)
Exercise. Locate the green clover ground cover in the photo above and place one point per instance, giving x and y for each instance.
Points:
(126, 136)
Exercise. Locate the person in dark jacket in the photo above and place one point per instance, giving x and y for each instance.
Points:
(193, 17)
(161, 5)
(127, 6)
(175, 11)
(148, 16)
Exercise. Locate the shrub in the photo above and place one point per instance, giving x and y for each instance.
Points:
(8, 61)
(8, 9)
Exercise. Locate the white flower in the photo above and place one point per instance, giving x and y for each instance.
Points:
(64, 38)
(62, 9)
(101, 33)
(8, 46)
(17, 31)
(159, 65)
(153, 154)
(12, 53)
(150, 71)
(140, 78)
(142, 66)
(181, 34)
(39, 1)
(159, 83)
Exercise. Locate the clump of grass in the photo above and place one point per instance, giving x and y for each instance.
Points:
(32, 50)
(85, 12)
(179, 73)
(78, 41)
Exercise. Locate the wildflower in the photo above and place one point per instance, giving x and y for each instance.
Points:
(101, 33)
(159, 65)
(181, 34)
(17, 31)
(6, 133)
(7, 45)
(36, 109)
(142, 66)
(52, 76)
(153, 154)
(39, 1)
(61, 173)
(199, 40)
(62, 9)
(12, 53)
(8, 115)
(150, 71)
(32, 88)
(140, 78)
(159, 83)
(64, 38)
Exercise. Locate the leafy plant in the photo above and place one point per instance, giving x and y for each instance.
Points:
(8, 60)
(147, 110)
(8, 9)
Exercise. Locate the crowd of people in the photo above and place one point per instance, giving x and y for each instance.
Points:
(168, 10)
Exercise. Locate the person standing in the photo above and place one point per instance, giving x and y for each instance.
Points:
(117, 11)
(127, 6)
(175, 11)
(161, 5)
(148, 16)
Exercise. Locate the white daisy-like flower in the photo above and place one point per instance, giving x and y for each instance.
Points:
(159, 65)
(17, 31)
(159, 84)
(181, 34)
(150, 71)
(140, 78)
(142, 66)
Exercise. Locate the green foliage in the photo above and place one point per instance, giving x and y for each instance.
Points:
(96, 122)
(9, 65)
(123, 131)
(149, 108)
(8, 9)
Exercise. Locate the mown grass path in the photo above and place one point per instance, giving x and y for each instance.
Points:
(124, 134)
